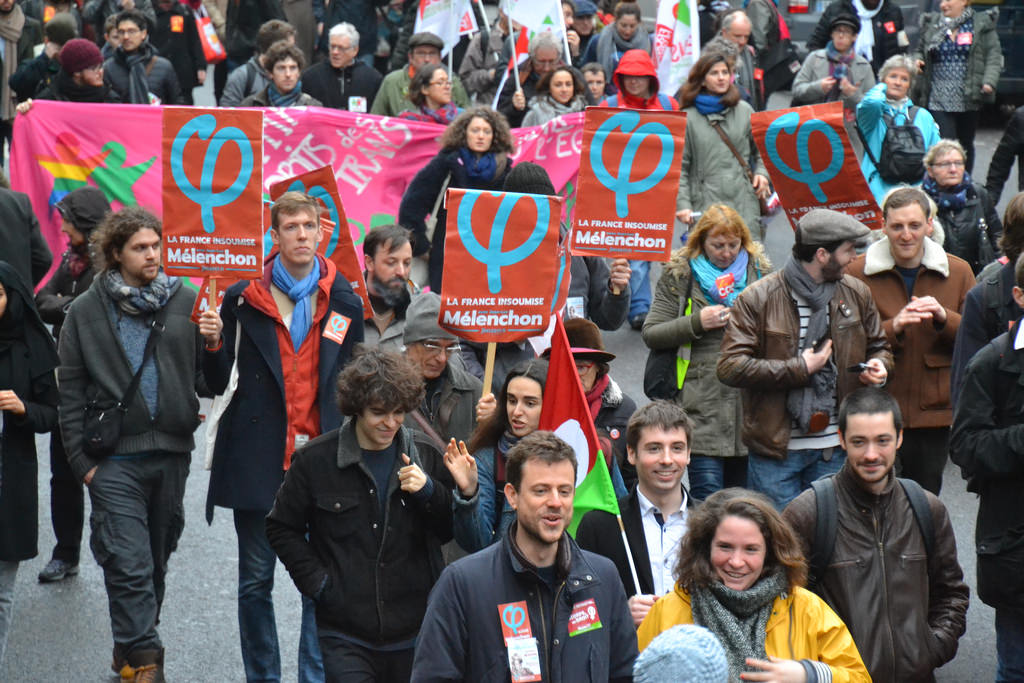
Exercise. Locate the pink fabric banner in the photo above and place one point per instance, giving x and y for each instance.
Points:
(59, 146)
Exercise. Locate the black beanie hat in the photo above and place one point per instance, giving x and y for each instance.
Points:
(84, 208)
(528, 178)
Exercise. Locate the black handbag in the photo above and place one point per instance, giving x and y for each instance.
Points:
(101, 427)
(778, 63)
(661, 373)
(986, 252)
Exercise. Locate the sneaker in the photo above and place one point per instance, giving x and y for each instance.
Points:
(57, 570)
(637, 321)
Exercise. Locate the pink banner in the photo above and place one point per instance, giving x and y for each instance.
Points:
(59, 146)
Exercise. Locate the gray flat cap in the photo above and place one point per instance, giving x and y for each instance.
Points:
(425, 38)
(823, 226)
(421, 319)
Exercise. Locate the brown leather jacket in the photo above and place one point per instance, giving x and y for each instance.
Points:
(759, 353)
(906, 610)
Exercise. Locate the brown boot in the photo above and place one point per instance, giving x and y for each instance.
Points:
(144, 666)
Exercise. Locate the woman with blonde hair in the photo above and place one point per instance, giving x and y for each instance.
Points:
(740, 574)
(689, 312)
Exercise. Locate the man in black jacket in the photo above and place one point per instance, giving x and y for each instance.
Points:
(988, 445)
(343, 82)
(21, 242)
(534, 606)
(176, 37)
(885, 38)
(655, 511)
(360, 519)
(136, 72)
(1010, 149)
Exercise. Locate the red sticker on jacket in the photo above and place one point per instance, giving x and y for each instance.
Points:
(758, 74)
(337, 328)
(890, 27)
(178, 24)
(584, 617)
(515, 620)
(725, 284)
(964, 38)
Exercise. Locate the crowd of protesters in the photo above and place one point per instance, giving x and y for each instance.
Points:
(816, 403)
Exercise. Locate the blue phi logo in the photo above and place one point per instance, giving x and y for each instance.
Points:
(788, 123)
(492, 256)
(203, 126)
(317, 192)
(620, 184)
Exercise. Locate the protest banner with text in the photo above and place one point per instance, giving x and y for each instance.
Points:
(213, 204)
(338, 246)
(500, 264)
(629, 178)
(812, 164)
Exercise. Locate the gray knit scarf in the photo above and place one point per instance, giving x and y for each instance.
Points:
(802, 402)
(611, 46)
(738, 618)
(141, 300)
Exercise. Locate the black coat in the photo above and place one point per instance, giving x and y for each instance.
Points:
(420, 196)
(962, 227)
(378, 572)
(53, 299)
(1010, 149)
(21, 243)
(37, 389)
(160, 77)
(360, 13)
(987, 443)
(515, 116)
(244, 19)
(32, 76)
(599, 533)
(333, 87)
(177, 39)
(248, 457)
(888, 25)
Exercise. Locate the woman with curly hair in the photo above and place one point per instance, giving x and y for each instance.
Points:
(430, 91)
(689, 313)
(740, 574)
(474, 154)
(559, 92)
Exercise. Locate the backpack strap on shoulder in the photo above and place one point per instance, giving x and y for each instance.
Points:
(825, 526)
(922, 512)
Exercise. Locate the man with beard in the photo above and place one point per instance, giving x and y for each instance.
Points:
(289, 334)
(387, 258)
(534, 604)
(797, 344)
(342, 82)
(136, 72)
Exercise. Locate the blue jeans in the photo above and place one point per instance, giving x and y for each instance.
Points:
(709, 474)
(257, 625)
(639, 288)
(1009, 645)
(784, 480)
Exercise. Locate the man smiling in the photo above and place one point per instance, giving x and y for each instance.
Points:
(919, 290)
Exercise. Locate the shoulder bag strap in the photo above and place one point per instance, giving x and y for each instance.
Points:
(825, 525)
(922, 512)
(428, 430)
(156, 328)
(732, 148)
(432, 221)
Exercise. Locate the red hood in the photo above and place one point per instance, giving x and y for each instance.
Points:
(635, 63)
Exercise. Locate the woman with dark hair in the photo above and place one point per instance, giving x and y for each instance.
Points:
(430, 91)
(627, 33)
(691, 308)
(740, 574)
(559, 92)
(475, 150)
(966, 213)
(28, 401)
(518, 414)
(79, 79)
(712, 167)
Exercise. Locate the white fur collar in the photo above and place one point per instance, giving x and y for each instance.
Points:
(878, 258)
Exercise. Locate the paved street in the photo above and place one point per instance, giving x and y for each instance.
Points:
(61, 632)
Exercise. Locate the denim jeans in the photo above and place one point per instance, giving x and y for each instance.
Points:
(709, 474)
(1009, 645)
(639, 288)
(784, 480)
(8, 574)
(257, 624)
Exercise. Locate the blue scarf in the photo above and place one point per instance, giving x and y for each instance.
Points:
(709, 104)
(948, 197)
(479, 168)
(708, 273)
(298, 291)
(276, 99)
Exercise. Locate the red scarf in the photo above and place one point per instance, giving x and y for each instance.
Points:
(594, 395)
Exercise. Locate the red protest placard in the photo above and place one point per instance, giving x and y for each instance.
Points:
(629, 178)
(203, 299)
(812, 164)
(339, 247)
(212, 197)
(500, 264)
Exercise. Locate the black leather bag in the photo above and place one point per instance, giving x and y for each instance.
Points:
(661, 372)
(101, 426)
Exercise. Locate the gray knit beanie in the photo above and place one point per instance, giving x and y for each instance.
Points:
(682, 654)
(421, 319)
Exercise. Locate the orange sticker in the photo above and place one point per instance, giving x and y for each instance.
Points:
(177, 24)
(48, 13)
(515, 620)
(337, 328)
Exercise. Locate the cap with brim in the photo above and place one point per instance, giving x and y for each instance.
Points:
(425, 38)
(824, 226)
(585, 8)
(845, 20)
(584, 353)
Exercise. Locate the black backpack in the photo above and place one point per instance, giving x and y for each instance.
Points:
(903, 149)
(827, 522)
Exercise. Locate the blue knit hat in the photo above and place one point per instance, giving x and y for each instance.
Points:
(682, 654)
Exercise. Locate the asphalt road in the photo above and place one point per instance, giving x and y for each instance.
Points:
(61, 632)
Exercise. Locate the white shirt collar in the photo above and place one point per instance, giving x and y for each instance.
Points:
(1018, 342)
(648, 508)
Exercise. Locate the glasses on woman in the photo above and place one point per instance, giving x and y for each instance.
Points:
(442, 83)
(949, 164)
